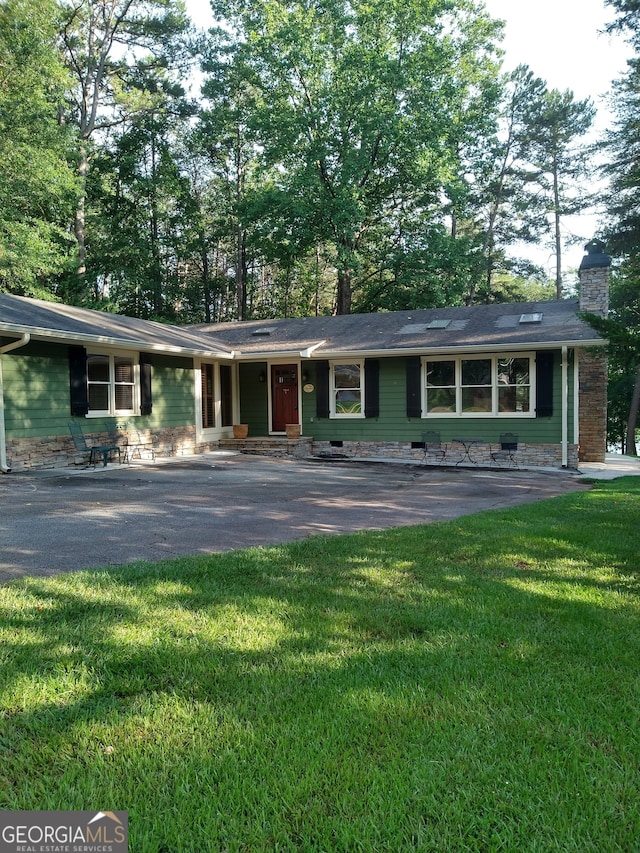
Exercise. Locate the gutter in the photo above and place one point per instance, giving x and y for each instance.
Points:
(565, 407)
(116, 343)
(312, 353)
(5, 468)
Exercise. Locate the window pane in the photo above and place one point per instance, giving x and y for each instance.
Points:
(476, 372)
(348, 403)
(124, 397)
(98, 368)
(347, 375)
(208, 410)
(476, 399)
(513, 371)
(514, 399)
(441, 373)
(441, 400)
(98, 398)
(225, 395)
(123, 369)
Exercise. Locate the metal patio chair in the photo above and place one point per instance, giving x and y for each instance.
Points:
(137, 444)
(95, 451)
(507, 450)
(433, 447)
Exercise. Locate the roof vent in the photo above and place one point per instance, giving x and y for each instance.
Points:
(535, 317)
(265, 331)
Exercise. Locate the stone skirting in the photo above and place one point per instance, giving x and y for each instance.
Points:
(59, 452)
(296, 448)
(25, 454)
(526, 456)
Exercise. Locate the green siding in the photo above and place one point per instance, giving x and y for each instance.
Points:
(392, 424)
(36, 393)
(172, 382)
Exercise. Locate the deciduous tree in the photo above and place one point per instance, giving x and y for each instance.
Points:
(356, 102)
(37, 186)
(122, 55)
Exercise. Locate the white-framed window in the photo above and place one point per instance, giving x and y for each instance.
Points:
(480, 386)
(213, 396)
(347, 389)
(112, 384)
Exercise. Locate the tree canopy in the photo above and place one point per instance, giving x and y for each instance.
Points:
(37, 186)
(341, 156)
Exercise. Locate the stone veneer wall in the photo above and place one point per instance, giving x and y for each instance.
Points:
(59, 452)
(527, 455)
(25, 454)
(296, 448)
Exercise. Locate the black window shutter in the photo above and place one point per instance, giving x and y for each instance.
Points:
(78, 382)
(371, 388)
(414, 391)
(146, 400)
(322, 389)
(544, 384)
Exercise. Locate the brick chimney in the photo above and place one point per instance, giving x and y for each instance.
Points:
(594, 298)
(594, 279)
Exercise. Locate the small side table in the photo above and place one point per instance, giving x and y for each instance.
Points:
(467, 445)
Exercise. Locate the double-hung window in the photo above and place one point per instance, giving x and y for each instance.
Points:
(347, 389)
(112, 382)
(482, 386)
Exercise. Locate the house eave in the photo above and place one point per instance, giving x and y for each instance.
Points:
(520, 346)
(275, 355)
(115, 343)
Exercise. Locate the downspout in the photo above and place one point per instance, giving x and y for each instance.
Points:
(576, 398)
(565, 407)
(5, 468)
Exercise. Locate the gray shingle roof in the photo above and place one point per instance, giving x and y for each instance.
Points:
(55, 321)
(480, 326)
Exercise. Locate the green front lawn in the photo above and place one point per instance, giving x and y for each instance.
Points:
(464, 686)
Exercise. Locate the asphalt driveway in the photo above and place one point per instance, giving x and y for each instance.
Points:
(62, 521)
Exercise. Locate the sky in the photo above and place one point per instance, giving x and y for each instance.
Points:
(562, 41)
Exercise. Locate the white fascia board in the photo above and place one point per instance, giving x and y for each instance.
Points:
(520, 346)
(309, 351)
(270, 355)
(116, 343)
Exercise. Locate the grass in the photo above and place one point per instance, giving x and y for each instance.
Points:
(463, 686)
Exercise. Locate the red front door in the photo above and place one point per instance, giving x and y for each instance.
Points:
(284, 396)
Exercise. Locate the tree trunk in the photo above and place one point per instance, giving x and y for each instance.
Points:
(206, 282)
(79, 222)
(630, 448)
(158, 295)
(343, 300)
(241, 274)
(558, 244)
